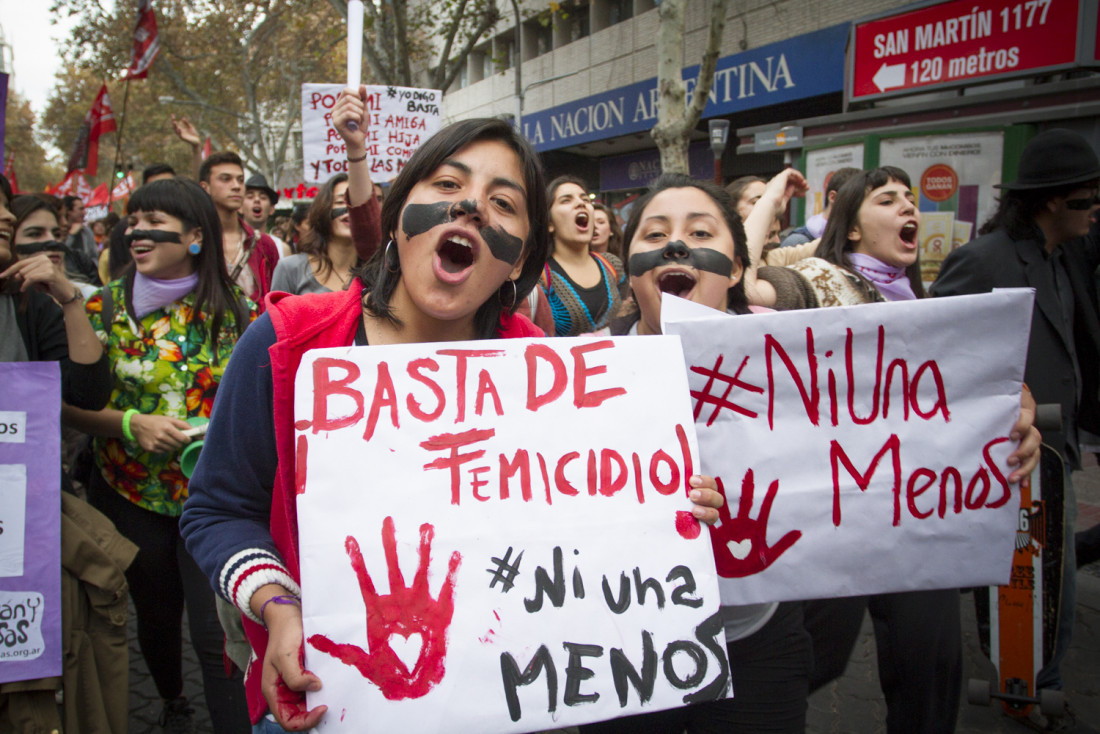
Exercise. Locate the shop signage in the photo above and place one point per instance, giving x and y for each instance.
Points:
(638, 170)
(784, 138)
(957, 42)
(798, 68)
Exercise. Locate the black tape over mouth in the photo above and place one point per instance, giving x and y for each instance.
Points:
(33, 248)
(154, 235)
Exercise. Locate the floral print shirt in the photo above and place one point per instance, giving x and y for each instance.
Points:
(162, 365)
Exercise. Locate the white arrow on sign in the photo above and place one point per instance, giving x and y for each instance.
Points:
(889, 76)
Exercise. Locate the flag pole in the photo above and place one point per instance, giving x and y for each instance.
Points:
(118, 143)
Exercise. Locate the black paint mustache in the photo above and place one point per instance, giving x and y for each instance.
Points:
(700, 258)
(338, 212)
(156, 235)
(419, 218)
(33, 248)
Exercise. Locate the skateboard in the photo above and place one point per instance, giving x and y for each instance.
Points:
(1018, 623)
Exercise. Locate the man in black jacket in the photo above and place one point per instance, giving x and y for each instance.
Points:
(1040, 238)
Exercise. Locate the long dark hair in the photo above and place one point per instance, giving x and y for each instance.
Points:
(1016, 211)
(379, 282)
(215, 292)
(835, 246)
(315, 243)
(615, 239)
(738, 302)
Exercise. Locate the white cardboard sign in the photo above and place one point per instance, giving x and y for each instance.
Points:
(862, 449)
(400, 119)
(495, 536)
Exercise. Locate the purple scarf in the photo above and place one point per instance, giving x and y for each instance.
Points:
(891, 282)
(151, 294)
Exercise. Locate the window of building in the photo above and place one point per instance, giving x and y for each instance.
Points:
(619, 10)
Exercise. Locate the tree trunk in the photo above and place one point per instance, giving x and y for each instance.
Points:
(676, 119)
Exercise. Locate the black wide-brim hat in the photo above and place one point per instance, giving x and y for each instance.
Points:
(1054, 158)
(257, 181)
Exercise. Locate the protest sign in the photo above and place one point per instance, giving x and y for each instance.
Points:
(30, 521)
(399, 120)
(526, 500)
(862, 449)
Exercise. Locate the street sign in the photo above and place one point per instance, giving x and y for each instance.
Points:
(954, 43)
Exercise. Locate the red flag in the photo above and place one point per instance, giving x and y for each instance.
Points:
(146, 42)
(206, 149)
(73, 183)
(123, 188)
(9, 172)
(98, 197)
(99, 120)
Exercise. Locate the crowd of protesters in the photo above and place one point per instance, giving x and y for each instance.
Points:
(194, 309)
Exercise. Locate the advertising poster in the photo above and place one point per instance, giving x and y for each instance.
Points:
(953, 176)
(820, 166)
(30, 520)
(500, 539)
(400, 120)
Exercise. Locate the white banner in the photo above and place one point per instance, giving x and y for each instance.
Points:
(495, 536)
(400, 120)
(862, 449)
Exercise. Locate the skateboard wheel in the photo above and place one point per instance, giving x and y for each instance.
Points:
(1052, 702)
(979, 692)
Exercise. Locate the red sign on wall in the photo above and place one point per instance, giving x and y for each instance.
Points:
(956, 42)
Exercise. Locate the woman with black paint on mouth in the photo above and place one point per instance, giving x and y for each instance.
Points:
(327, 254)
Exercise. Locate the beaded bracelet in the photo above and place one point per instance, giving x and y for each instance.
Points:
(129, 414)
(278, 599)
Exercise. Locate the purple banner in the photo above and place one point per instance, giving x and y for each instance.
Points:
(30, 520)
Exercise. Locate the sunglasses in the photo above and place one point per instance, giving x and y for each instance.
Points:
(33, 248)
(1079, 205)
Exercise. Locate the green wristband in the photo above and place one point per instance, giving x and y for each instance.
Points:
(126, 423)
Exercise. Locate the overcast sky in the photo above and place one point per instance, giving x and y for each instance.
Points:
(34, 43)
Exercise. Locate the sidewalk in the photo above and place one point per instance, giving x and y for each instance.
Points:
(851, 705)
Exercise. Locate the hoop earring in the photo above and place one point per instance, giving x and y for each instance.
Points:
(515, 296)
(386, 259)
(194, 248)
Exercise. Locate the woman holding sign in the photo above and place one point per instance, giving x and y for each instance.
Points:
(41, 311)
(466, 229)
(168, 325)
(869, 254)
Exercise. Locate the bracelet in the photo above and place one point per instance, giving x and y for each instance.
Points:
(278, 599)
(77, 296)
(126, 424)
(356, 160)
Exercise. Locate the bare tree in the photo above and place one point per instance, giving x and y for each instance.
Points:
(398, 34)
(676, 118)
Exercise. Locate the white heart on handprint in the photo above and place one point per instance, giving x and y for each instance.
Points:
(407, 649)
(740, 549)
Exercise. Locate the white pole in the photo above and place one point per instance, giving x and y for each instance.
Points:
(355, 47)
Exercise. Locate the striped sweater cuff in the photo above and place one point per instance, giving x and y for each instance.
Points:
(247, 571)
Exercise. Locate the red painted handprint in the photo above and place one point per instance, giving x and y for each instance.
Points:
(741, 543)
(405, 611)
